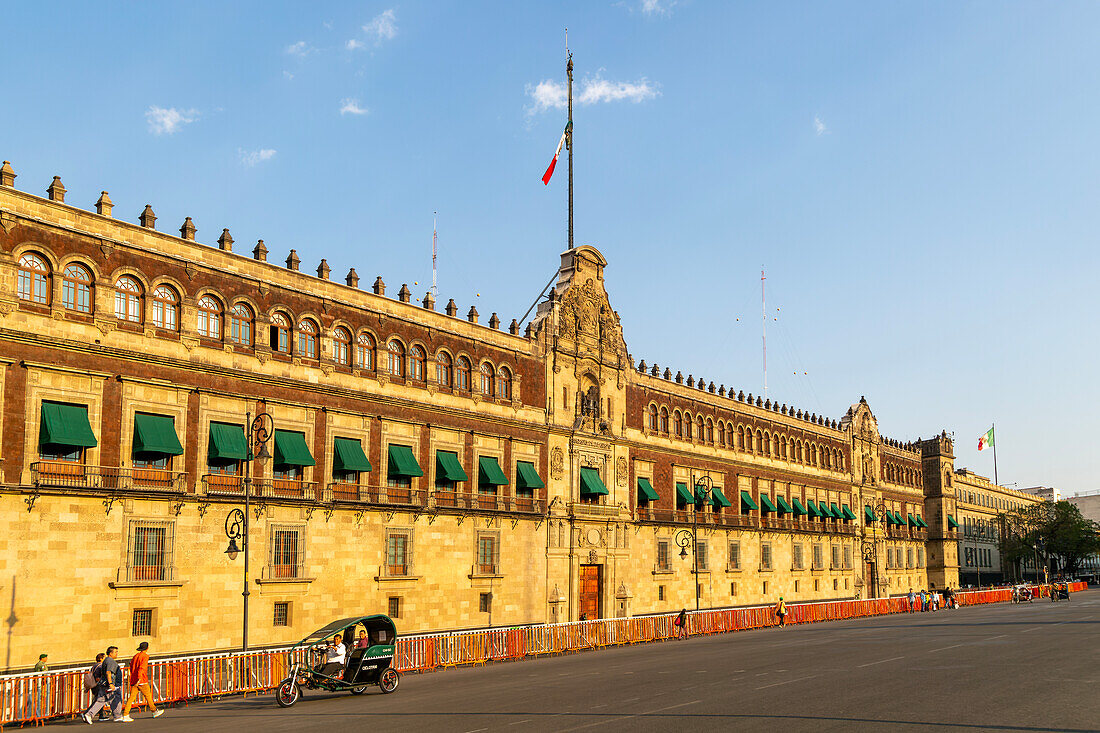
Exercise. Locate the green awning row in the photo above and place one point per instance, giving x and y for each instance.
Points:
(226, 443)
(291, 449)
(869, 513)
(403, 462)
(155, 435)
(489, 473)
(646, 491)
(783, 505)
(591, 483)
(683, 494)
(746, 502)
(66, 425)
(348, 456)
(766, 503)
(848, 513)
(718, 498)
(448, 468)
(527, 478)
(799, 509)
(951, 523)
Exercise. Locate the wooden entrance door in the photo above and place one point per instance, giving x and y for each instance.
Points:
(590, 595)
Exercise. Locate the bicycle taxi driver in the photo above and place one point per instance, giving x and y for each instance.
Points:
(335, 654)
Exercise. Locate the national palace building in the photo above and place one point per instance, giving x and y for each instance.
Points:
(422, 462)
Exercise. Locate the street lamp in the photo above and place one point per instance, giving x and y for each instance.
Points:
(260, 431)
(869, 547)
(703, 487)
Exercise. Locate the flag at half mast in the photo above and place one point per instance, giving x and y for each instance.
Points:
(554, 162)
(986, 440)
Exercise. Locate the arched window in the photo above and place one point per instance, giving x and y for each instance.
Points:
(710, 431)
(664, 420)
(677, 425)
(364, 352)
(653, 418)
(813, 454)
(396, 352)
(128, 299)
(766, 447)
(504, 383)
(34, 279)
(444, 369)
(307, 339)
(416, 363)
(741, 437)
(759, 441)
(800, 451)
(688, 426)
(341, 351)
(240, 324)
(748, 440)
(166, 308)
(486, 372)
(462, 374)
(790, 450)
(76, 288)
(775, 445)
(280, 333)
(210, 317)
(721, 433)
(700, 433)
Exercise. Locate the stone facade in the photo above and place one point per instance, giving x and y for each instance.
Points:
(122, 323)
(979, 502)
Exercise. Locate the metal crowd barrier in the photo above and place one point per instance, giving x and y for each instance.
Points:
(34, 697)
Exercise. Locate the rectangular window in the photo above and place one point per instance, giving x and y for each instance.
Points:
(735, 556)
(836, 584)
(796, 586)
(701, 554)
(836, 556)
(796, 556)
(920, 557)
(149, 555)
(393, 607)
(765, 556)
(733, 590)
(765, 591)
(848, 558)
(287, 552)
(143, 622)
(660, 593)
(485, 603)
(399, 553)
(282, 613)
(487, 554)
(819, 557)
(909, 557)
(817, 584)
(662, 555)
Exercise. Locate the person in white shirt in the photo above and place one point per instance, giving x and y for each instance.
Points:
(335, 654)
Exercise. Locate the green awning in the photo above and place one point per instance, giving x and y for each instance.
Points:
(489, 473)
(869, 513)
(591, 483)
(747, 502)
(683, 495)
(920, 522)
(645, 491)
(895, 518)
(527, 478)
(951, 523)
(226, 443)
(766, 503)
(812, 506)
(912, 522)
(348, 456)
(783, 505)
(837, 514)
(798, 508)
(291, 449)
(66, 425)
(448, 468)
(823, 509)
(155, 435)
(718, 498)
(403, 462)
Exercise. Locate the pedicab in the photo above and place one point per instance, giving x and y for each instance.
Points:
(367, 663)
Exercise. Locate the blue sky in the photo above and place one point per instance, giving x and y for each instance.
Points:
(918, 180)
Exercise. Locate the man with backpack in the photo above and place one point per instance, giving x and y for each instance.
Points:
(96, 681)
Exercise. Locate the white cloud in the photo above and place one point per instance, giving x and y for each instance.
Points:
(550, 94)
(657, 7)
(351, 107)
(819, 126)
(166, 121)
(301, 49)
(288, 75)
(252, 157)
(383, 27)
(354, 44)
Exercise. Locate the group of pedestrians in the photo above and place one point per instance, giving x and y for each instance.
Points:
(923, 601)
(104, 680)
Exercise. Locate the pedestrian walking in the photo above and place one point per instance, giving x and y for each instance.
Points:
(94, 683)
(681, 624)
(912, 599)
(42, 665)
(139, 682)
(923, 600)
(781, 612)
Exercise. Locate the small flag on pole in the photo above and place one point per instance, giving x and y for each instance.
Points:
(550, 170)
(986, 440)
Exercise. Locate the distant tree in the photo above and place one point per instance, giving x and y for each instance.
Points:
(1049, 529)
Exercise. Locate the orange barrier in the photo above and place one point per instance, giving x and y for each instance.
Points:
(35, 697)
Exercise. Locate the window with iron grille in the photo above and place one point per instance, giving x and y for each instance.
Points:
(848, 557)
(149, 554)
(662, 555)
(796, 556)
(399, 552)
(282, 613)
(487, 553)
(920, 557)
(701, 554)
(765, 556)
(393, 606)
(819, 557)
(143, 622)
(660, 593)
(485, 603)
(836, 556)
(287, 553)
(909, 557)
(735, 556)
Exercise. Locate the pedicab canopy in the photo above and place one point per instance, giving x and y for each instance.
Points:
(380, 629)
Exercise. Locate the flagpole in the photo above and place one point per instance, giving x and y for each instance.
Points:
(993, 430)
(569, 133)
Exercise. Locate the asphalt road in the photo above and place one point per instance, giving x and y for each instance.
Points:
(1002, 667)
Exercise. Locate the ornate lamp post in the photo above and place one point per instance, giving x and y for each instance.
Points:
(869, 546)
(703, 487)
(260, 431)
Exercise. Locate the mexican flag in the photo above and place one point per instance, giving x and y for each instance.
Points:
(986, 440)
(550, 170)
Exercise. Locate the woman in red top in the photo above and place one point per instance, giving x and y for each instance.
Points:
(139, 682)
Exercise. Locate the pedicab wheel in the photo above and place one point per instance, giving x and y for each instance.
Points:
(358, 690)
(289, 692)
(389, 680)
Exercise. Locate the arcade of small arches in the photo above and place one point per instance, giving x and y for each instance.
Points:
(904, 475)
(683, 425)
(223, 320)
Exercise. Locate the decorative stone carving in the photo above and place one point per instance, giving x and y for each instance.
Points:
(621, 471)
(557, 463)
(190, 270)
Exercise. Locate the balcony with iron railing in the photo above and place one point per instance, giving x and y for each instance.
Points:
(261, 488)
(66, 475)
